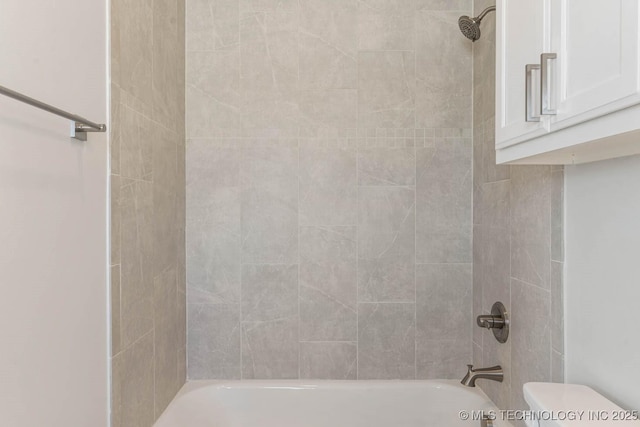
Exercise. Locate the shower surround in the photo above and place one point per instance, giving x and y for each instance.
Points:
(329, 189)
(518, 248)
(147, 145)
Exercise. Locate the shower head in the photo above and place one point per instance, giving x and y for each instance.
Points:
(470, 27)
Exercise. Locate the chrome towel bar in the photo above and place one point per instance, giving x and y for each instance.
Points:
(79, 125)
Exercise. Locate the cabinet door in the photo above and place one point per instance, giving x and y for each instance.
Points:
(522, 34)
(596, 70)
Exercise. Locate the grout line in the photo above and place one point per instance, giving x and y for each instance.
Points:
(415, 201)
(444, 263)
(473, 171)
(357, 150)
(406, 187)
(240, 163)
(298, 179)
(386, 302)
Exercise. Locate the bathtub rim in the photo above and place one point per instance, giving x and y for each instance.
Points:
(451, 385)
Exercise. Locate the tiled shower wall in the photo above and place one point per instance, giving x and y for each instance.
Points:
(148, 208)
(517, 248)
(329, 188)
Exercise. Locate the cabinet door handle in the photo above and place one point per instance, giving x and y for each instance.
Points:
(529, 107)
(545, 87)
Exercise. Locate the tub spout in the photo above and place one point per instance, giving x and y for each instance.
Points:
(493, 373)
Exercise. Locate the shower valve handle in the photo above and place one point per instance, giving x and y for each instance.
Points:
(489, 321)
(497, 322)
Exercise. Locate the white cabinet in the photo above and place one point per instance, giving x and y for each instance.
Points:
(567, 80)
(522, 34)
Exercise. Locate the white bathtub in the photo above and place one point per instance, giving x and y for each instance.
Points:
(324, 404)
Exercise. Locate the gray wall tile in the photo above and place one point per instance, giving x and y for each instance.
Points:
(386, 89)
(213, 24)
(132, 389)
(328, 44)
(477, 355)
(165, 337)
(494, 353)
(305, 148)
(269, 321)
(478, 289)
(386, 280)
(247, 6)
(386, 222)
(115, 231)
(386, 244)
(216, 355)
(213, 261)
(485, 167)
(147, 207)
(136, 286)
(131, 50)
(136, 147)
(269, 74)
(116, 332)
(385, 26)
(444, 181)
(492, 204)
(328, 191)
(328, 294)
(443, 291)
(557, 367)
(328, 244)
(531, 341)
(213, 92)
(211, 164)
(387, 166)
(182, 364)
(168, 49)
(557, 215)
(386, 341)
(314, 54)
(329, 108)
(462, 5)
(269, 208)
(269, 292)
(115, 128)
(443, 99)
(530, 219)
(557, 307)
(442, 359)
(270, 349)
(328, 360)
(213, 204)
(328, 284)
(491, 265)
(165, 202)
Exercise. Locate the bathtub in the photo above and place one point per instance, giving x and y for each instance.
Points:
(325, 404)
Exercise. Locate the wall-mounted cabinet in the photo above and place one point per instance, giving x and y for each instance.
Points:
(568, 80)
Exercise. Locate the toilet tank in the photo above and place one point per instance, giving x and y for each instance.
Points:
(572, 405)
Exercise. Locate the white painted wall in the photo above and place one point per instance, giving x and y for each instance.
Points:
(53, 217)
(602, 290)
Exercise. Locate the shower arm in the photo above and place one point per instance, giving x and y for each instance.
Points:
(484, 12)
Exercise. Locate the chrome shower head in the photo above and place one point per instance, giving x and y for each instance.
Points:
(470, 27)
